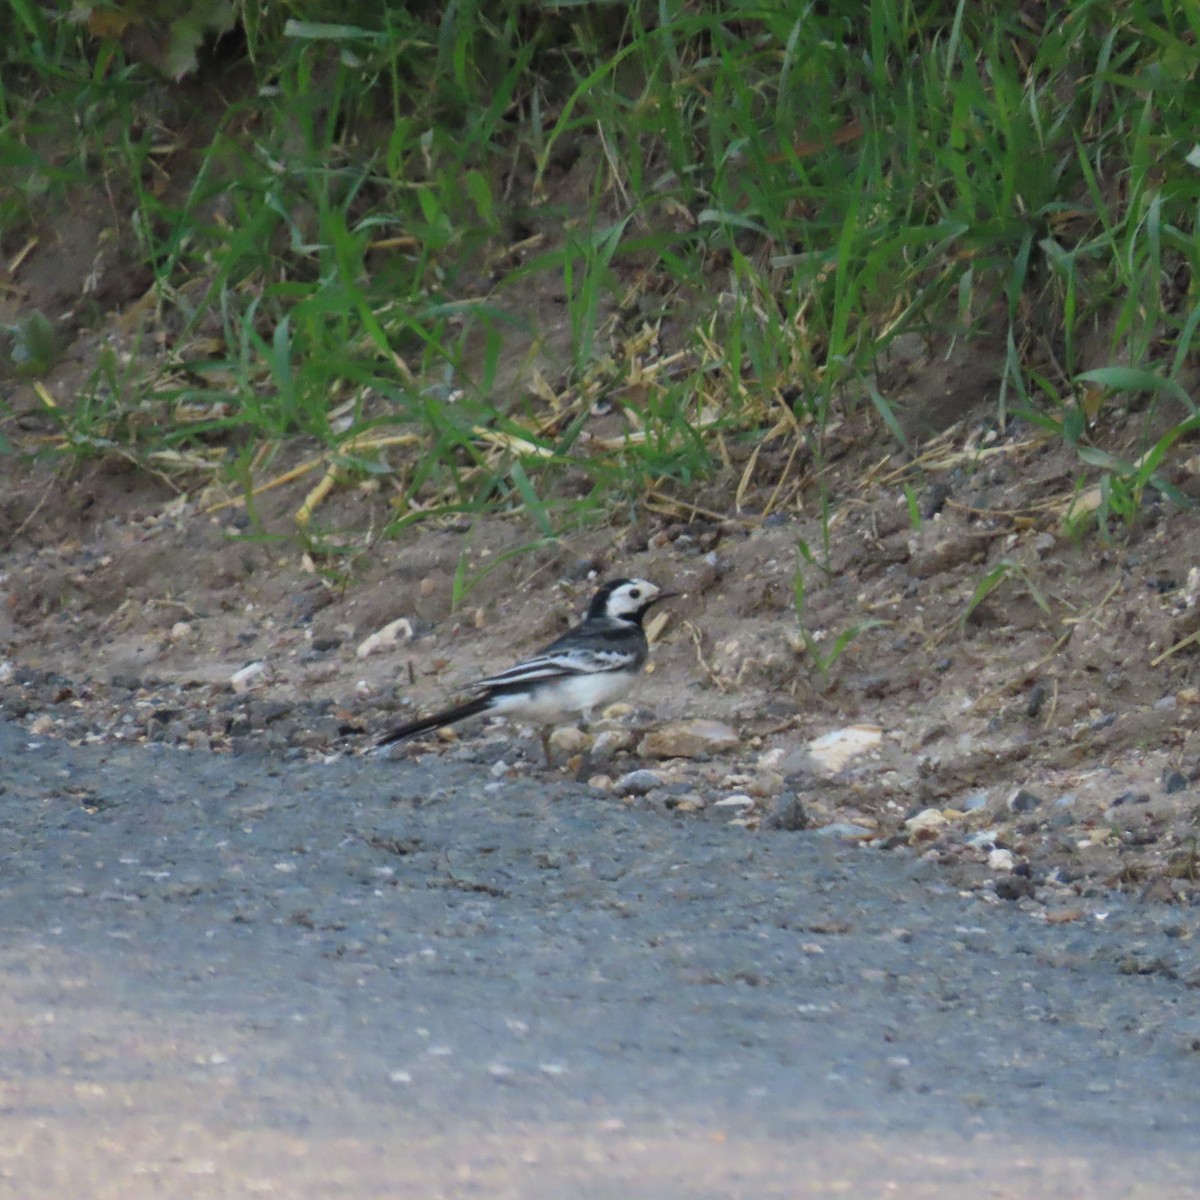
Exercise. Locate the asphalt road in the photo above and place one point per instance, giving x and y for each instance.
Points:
(234, 976)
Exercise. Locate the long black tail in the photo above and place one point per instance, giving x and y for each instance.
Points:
(449, 716)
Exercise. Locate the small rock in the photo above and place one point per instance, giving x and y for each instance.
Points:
(251, 675)
(926, 824)
(771, 760)
(788, 814)
(42, 725)
(831, 751)
(263, 712)
(844, 829)
(689, 739)
(975, 803)
(935, 499)
(608, 743)
(765, 784)
(392, 634)
(568, 739)
(686, 802)
(602, 783)
(1174, 781)
(637, 783)
(983, 839)
(1001, 860)
(1022, 801)
(318, 734)
(1014, 887)
(1064, 916)
(739, 800)
(798, 765)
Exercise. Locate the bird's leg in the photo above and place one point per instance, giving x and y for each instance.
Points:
(545, 735)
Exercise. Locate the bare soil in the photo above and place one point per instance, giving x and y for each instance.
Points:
(1025, 680)
(1044, 719)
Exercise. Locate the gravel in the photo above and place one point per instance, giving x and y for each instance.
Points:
(234, 975)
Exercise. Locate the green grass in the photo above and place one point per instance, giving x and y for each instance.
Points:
(349, 249)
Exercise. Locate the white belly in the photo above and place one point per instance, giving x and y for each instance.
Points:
(576, 694)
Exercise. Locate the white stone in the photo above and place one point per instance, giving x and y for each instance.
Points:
(250, 676)
(925, 822)
(1001, 860)
(833, 750)
(392, 634)
(568, 740)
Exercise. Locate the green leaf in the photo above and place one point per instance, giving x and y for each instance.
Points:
(533, 502)
(1136, 379)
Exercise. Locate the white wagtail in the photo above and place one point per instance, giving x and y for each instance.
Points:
(588, 667)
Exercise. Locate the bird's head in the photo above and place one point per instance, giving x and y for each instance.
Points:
(626, 600)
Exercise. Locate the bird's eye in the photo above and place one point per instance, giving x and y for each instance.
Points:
(636, 594)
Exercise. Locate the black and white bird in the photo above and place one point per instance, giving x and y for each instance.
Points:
(586, 669)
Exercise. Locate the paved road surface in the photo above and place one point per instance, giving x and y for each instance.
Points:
(237, 977)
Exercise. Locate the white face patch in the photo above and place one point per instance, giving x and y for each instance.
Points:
(630, 597)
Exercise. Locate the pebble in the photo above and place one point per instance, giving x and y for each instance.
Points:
(568, 740)
(738, 800)
(392, 634)
(1014, 887)
(772, 760)
(685, 802)
(251, 675)
(1174, 781)
(1001, 860)
(983, 839)
(1023, 800)
(608, 743)
(765, 784)
(637, 783)
(689, 739)
(833, 750)
(788, 814)
(844, 829)
(925, 824)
